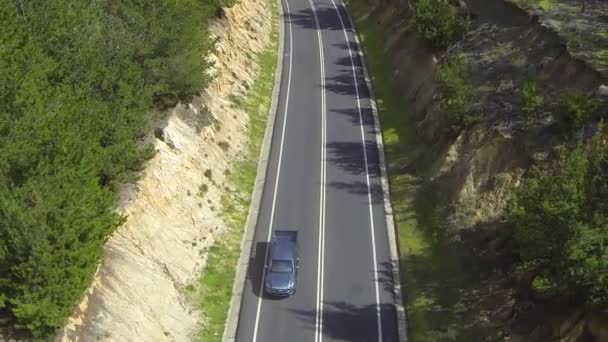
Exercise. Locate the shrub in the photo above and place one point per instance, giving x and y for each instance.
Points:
(561, 220)
(531, 100)
(456, 92)
(575, 109)
(546, 208)
(439, 23)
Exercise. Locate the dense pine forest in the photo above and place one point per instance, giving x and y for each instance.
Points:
(78, 81)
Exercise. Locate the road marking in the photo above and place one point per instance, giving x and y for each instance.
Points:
(321, 248)
(369, 192)
(276, 184)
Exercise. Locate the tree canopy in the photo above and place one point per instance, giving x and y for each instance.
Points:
(561, 218)
(78, 80)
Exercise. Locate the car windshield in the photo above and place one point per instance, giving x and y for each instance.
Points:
(281, 266)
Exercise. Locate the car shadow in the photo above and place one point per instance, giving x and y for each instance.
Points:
(343, 321)
(255, 270)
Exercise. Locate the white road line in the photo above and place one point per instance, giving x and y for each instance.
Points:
(321, 247)
(276, 184)
(369, 193)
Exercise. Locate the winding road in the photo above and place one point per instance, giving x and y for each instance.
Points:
(323, 181)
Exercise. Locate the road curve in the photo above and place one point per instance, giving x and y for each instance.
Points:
(323, 181)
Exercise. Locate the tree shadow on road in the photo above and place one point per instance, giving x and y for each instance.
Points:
(343, 84)
(353, 115)
(304, 19)
(349, 157)
(347, 322)
(360, 188)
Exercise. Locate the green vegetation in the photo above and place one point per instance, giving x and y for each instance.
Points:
(441, 299)
(457, 93)
(531, 100)
(575, 109)
(534, 4)
(439, 23)
(561, 218)
(78, 80)
(214, 289)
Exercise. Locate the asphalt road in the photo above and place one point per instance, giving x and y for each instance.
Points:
(323, 181)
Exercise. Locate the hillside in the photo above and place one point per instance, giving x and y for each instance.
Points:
(496, 160)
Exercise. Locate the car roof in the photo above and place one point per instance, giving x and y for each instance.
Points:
(282, 250)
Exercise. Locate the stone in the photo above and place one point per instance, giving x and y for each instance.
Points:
(159, 134)
(602, 90)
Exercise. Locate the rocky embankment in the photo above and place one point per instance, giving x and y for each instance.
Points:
(172, 211)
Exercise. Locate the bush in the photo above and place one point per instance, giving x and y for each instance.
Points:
(531, 100)
(439, 23)
(575, 109)
(456, 92)
(561, 220)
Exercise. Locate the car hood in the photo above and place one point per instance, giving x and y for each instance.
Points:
(280, 280)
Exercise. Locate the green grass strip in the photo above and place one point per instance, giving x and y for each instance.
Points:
(397, 132)
(214, 289)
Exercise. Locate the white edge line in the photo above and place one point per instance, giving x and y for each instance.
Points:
(402, 325)
(321, 246)
(276, 184)
(367, 178)
(230, 330)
